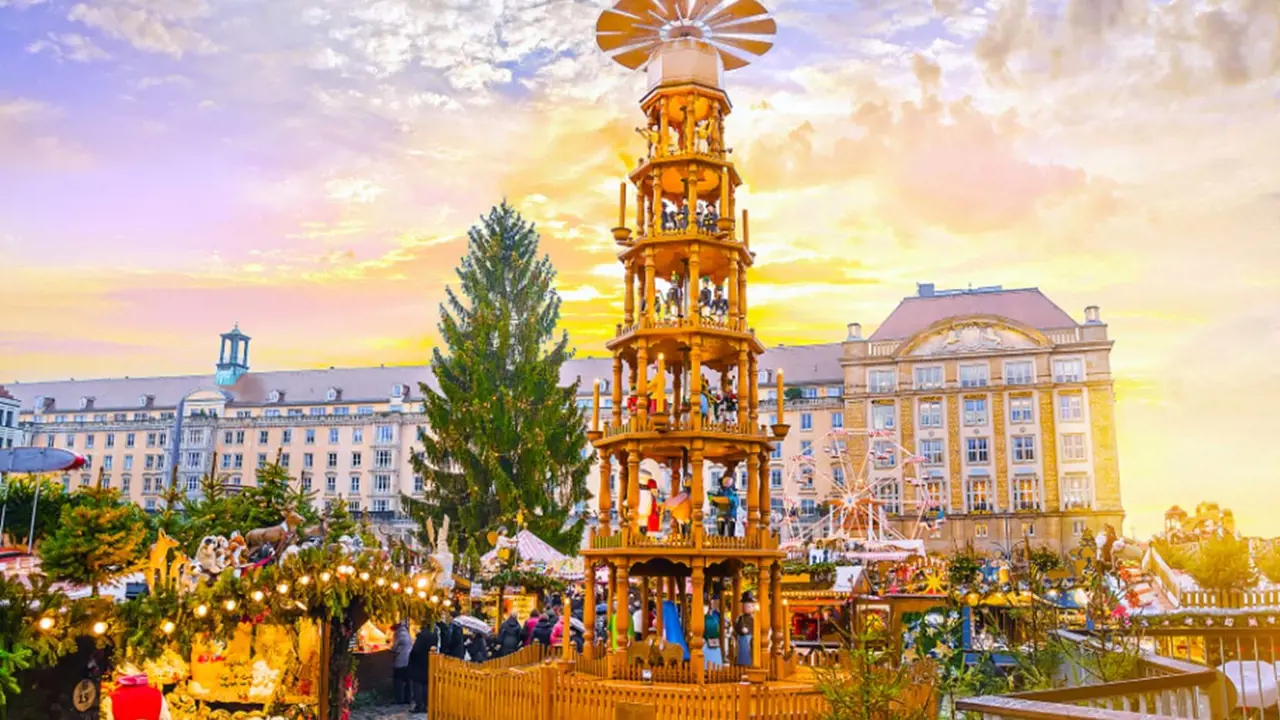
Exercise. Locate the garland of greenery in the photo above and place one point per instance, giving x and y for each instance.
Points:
(528, 579)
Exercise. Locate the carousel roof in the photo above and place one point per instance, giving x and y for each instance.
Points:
(532, 548)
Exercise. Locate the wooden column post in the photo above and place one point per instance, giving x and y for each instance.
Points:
(605, 494)
(779, 644)
(735, 601)
(732, 290)
(619, 405)
(642, 391)
(697, 621)
(744, 388)
(753, 497)
(766, 510)
(762, 632)
(649, 298)
(697, 494)
(633, 486)
(659, 596)
(645, 616)
(566, 611)
(693, 312)
(611, 609)
(589, 611)
(753, 383)
(742, 298)
(623, 621)
(695, 384)
(629, 298)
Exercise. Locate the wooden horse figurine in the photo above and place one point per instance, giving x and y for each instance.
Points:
(159, 573)
(275, 534)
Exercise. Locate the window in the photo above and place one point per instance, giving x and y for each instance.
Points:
(128, 463)
(775, 477)
(928, 378)
(264, 437)
(931, 451)
(195, 437)
(419, 486)
(295, 412)
(806, 421)
(311, 436)
(808, 507)
(810, 391)
(1070, 407)
(1024, 448)
(977, 494)
(331, 484)
(806, 477)
(834, 391)
(930, 413)
(381, 505)
(284, 460)
(331, 395)
(150, 504)
(382, 459)
(111, 440)
(1029, 529)
(1021, 411)
(150, 462)
(88, 441)
(239, 463)
(837, 419)
(317, 412)
(332, 460)
(1018, 372)
(976, 451)
(881, 381)
(1068, 370)
(125, 483)
(84, 481)
(193, 483)
(308, 460)
(1026, 492)
(49, 440)
(333, 436)
(244, 414)
(776, 507)
(889, 492)
(935, 492)
(980, 530)
(271, 413)
(882, 416)
(1077, 491)
(884, 451)
(342, 411)
(130, 440)
(1077, 527)
(357, 435)
(193, 460)
(382, 483)
(975, 411)
(364, 410)
(226, 462)
(1073, 447)
(262, 459)
(151, 439)
(354, 506)
(355, 483)
(837, 475)
(973, 375)
(777, 451)
(164, 439)
(228, 438)
(384, 434)
(107, 462)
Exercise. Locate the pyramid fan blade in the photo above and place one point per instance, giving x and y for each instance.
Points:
(702, 8)
(609, 42)
(671, 9)
(755, 47)
(765, 26)
(740, 10)
(634, 59)
(613, 22)
(640, 8)
(731, 62)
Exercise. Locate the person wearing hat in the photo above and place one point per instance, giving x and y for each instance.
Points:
(744, 629)
(650, 510)
(135, 699)
(712, 652)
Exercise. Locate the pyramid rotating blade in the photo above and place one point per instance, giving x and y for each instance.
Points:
(643, 9)
(734, 12)
(634, 59)
(764, 26)
(755, 47)
(702, 8)
(731, 62)
(609, 42)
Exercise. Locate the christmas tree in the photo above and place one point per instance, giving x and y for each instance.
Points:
(98, 539)
(273, 495)
(19, 499)
(504, 434)
(338, 520)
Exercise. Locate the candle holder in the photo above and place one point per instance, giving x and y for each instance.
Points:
(661, 422)
(594, 435)
(724, 225)
(622, 235)
(780, 430)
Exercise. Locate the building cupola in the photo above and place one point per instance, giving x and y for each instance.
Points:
(233, 357)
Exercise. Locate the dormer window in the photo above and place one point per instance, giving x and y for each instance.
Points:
(333, 394)
(765, 377)
(604, 385)
(399, 391)
(274, 396)
(42, 402)
(144, 401)
(86, 403)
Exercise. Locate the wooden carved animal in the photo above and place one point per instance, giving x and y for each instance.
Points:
(672, 655)
(275, 534)
(638, 653)
(158, 572)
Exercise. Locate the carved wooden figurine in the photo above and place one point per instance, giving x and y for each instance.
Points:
(276, 533)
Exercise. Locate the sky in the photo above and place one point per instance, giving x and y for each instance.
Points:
(309, 168)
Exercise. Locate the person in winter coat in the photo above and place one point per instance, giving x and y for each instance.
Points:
(477, 648)
(542, 631)
(419, 665)
(557, 634)
(457, 647)
(510, 636)
(529, 625)
(400, 649)
(134, 699)
(713, 652)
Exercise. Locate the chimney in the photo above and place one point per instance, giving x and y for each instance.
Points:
(924, 289)
(855, 332)
(1092, 315)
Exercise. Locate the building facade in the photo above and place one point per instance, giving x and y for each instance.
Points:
(10, 434)
(1020, 375)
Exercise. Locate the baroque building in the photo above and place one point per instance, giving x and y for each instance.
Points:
(10, 436)
(1005, 371)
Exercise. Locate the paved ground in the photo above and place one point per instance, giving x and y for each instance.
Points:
(391, 712)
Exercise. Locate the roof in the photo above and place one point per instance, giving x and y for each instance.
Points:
(801, 363)
(1028, 306)
(4, 394)
(532, 548)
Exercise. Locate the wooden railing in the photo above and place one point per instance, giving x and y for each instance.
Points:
(465, 691)
(532, 654)
(1155, 564)
(1163, 688)
(627, 537)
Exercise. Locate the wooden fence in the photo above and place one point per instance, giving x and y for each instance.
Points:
(465, 691)
(532, 654)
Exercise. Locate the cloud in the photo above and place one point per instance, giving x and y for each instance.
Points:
(26, 139)
(154, 26)
(71, 46)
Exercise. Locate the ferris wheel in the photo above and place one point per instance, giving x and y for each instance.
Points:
(863, 491)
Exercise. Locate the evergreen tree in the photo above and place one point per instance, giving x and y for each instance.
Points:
(338, 520)
(210, 513)
(19, 499)
(98, 539)
(504, 435)
(265, 503)
(1223, 563)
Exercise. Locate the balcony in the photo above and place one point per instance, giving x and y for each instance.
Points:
(627, 538)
